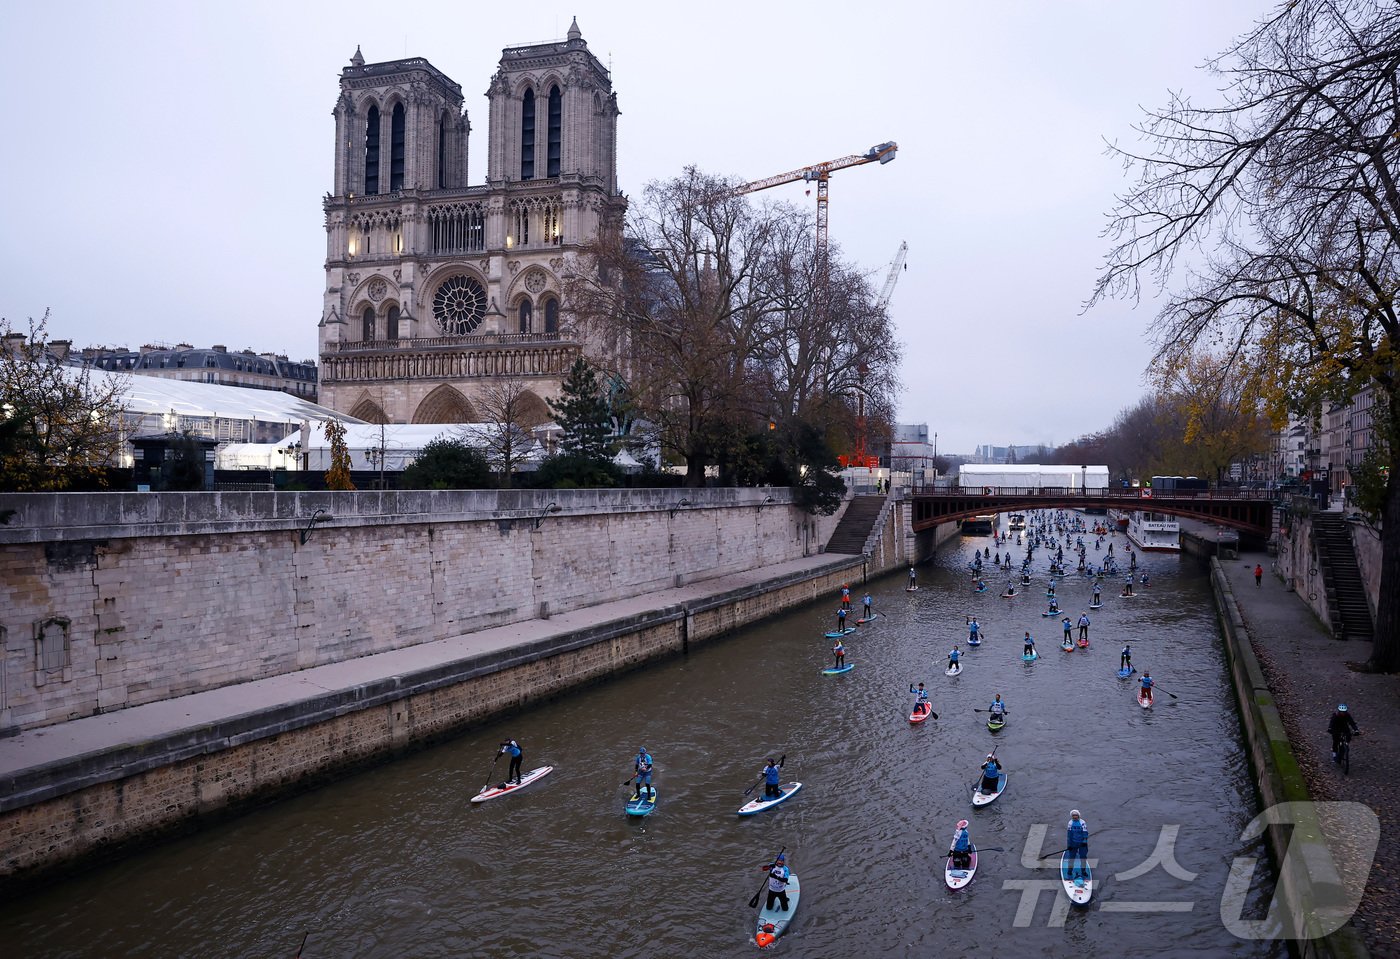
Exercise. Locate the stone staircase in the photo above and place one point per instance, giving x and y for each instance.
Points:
(1346, 594)
(854, 529)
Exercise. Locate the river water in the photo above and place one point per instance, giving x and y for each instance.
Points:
(396, 863)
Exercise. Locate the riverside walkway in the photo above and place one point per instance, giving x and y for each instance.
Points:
(1309, 673)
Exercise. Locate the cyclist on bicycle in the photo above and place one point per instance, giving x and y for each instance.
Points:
(1342, 725)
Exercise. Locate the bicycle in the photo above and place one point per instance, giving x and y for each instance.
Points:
(1344, 752)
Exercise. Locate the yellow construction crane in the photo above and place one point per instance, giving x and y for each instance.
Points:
(820, 172)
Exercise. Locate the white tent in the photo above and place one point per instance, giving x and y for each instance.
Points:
(401, 442)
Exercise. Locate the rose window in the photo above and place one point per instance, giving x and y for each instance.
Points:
(459, 305)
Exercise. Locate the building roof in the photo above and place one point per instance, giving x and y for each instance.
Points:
(153, 394)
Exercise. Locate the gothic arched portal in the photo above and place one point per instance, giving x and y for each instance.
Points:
(444, 405)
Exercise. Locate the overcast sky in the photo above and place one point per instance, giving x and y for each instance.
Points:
(165, 162)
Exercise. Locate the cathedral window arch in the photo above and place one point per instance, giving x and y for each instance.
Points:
(367, 324)
(556, 131)
(525, 311)
(551, 315)
(372, 151)
(527, 136)
(391, 322)
(396, 147)
(442, 151)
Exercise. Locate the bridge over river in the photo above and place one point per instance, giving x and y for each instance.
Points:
(1243, 510)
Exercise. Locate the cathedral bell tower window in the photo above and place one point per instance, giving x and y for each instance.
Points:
(525, 316)
(527, 136)
(556, 131)
(396, 137)
(372, 151)
(551, 315)
(367, 324)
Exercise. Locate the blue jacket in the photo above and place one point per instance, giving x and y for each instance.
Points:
(1147, 682)
(511, 747)
(1077, 834)
(954, 655)
(772, 775)
(963, 842)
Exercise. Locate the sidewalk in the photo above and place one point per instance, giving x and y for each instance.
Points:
(1309, 673)
(39, 763)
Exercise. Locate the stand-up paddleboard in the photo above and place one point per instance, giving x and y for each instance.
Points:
(1084, 642)
(920, 712)
(979, 589)
(1127, 595)
(772, 923)
(1096, 605)
(1053, 612)
(640, 805)
(1143, 701)
(1030, 657)
(501, 789)
(754, 806)
(975, 640)
(911, 589)
(953, 670)
(1067, 646)
(979, 798)
(837, 635)
(1125, 671)
(1008, 595)
(867, 619)
(957, 878)
(838, 670)
(1080, 886)
(994, 724)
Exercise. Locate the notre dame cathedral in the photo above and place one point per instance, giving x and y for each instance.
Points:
(436, 289)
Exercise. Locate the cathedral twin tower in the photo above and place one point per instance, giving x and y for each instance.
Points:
(436, 289)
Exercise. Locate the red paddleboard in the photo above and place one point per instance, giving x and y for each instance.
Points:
(921, 712)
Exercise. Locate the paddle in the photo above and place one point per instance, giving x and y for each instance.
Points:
(490, 773)
(302, 946)
(782, 759)
(1156, 688)
(988, 710)
(753, 903)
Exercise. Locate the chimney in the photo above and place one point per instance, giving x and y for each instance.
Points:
(13, 344)
(60, 349)
(219, 348)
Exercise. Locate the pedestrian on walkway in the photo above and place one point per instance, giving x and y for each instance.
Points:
(1258, 575)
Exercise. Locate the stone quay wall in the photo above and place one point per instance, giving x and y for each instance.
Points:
(115, 600)
(89, 807)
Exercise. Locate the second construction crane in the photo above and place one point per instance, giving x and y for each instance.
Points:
(821, 172)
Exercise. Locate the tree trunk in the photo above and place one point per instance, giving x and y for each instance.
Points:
(1385, 655)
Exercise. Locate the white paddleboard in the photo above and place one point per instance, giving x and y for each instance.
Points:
(501, 789)
(760, 804)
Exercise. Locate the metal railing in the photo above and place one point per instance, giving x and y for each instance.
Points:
(447, 342)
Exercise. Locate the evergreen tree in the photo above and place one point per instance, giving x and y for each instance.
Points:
(447, 464)
(582, 413)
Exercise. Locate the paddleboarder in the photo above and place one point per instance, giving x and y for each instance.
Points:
(1147, 684)
(961, 853)
(972, 630)
(953, 656)
(1125, 658)
(1097, 598)
(921, 701)
(1258, 575)
(839, 651)
(841, 620)
(643, 767)
(1077, 843)
(997, 708)
(772, 776)
(1128, 586)
(1341, 725)
(991, 774)
(778, 876)
(913, 579)
(1083, 624)
(846, 596)
(516, 756)
(1069, 628)
(1030, 645)
(869, 604)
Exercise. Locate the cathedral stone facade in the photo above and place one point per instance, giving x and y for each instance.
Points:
(436, 291)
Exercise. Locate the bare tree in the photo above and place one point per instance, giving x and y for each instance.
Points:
(1274, 220)
(511, 411)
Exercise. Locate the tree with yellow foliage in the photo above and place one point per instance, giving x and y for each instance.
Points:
(338, 476)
